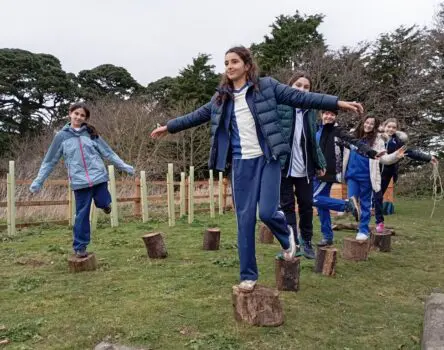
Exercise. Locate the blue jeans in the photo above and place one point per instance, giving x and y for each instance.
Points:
(324, 203)
(84, 197)
(256, 182)
(362, 190)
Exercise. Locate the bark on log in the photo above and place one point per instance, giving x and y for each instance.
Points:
(211, 239)
(88, 263)
(433, 333)
(287, 274)
(265, 234)
(261, 307)
(354, 227)
(355, 250)
(155, 246)
(326, 261)
(382, 241)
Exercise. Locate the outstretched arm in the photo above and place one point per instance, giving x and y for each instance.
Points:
(106, 152)
(363, 148)
(49, 162)
(420, 156)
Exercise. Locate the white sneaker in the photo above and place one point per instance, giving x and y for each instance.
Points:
(361, 237)
(290, 252)
(247, 285)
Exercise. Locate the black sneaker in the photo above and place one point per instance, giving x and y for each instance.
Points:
(325, 242)
(308, 250)
(107, 210)
(353, 208)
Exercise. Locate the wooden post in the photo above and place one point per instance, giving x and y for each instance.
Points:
(191, 196)
(261, 307)
(211, 239)
(88, 263)
(112, 185)
(182, 194)
(221, 191)
(69, 212)
(144, 196)
(355, 250)
(8, 203)
(287, 274)
(170, 195)
(211, 194)
(326, 261)
(265, 234)
(225, 183)
(382, 241)
(93, 217)
(155, 246)
(12, 196)
(73, 211)
(137, 201)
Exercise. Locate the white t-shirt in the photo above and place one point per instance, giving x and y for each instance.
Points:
(297, 164)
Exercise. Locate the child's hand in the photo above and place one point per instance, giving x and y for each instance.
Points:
(34, 188)
(350, 107)
(159, 132)
(320, 172)
(400, 153)
(434, 160)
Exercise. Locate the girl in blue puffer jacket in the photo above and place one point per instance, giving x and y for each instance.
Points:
(82, 150)
(246, 132)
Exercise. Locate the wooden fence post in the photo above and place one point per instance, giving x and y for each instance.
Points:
(112, 184)
(221, 191)
(211, 193)
(170, 195)
(144, 196)
(93, 217)
(137, 204)
(225, 193)
(182, 194)
(11, 196)
(191, 196)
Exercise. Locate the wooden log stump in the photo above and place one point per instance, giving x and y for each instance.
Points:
(354, 227)
(211, 239)
(355, 250)
(382, 241)
(88, 263)
(287, 274)
(265, 234)
(326, 261)
(260, 307)
(155, 246)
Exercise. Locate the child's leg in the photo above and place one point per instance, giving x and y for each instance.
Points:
(82, 229)
(353, 188)
(321, 200)
(288, 202)
(246, 177)
(102, 197)
(269, 211)
(365, 199)
(304, 197)
(379, 197)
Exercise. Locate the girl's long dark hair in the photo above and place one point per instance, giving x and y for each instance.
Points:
(90, 128)
(300, 74)
(226, 85)
(371, 136)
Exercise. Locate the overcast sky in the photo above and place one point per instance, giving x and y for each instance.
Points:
(156, 38)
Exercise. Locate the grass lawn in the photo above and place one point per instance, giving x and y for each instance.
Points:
(184, 301)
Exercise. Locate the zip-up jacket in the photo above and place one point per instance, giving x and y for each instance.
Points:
(263, 103)
(82, 156)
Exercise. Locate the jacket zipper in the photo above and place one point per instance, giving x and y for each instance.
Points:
(84, 163)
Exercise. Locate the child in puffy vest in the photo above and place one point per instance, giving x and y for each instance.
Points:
(82, 150)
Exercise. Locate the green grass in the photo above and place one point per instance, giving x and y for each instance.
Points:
(184, 301)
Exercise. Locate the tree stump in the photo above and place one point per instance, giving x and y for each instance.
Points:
(88, 263)
(265, 234)
(211, 239)
(355, 250)
(382, 241)
(260, 307)
(287, 274)
(155, 246)
(326, 261)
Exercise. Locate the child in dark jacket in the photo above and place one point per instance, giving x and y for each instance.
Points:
(394, 140)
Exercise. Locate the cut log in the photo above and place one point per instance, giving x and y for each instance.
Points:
(88, 263)
(354, 227)
(326, 261)
(287, 274)
(265, 234)
(433, 335)
(355, 250)
(382, 241)
(211, 239)
(155, 246)
(260, 307)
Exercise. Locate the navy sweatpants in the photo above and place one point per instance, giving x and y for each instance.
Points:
(256, 182)
(84, 197)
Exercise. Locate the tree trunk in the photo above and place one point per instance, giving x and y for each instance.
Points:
(155, 246)
(261, 307)
(326, 261)
(355, 250)
(265, 234)
(89, 263)
(382, 241)
(211, 239)
(287, 274)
